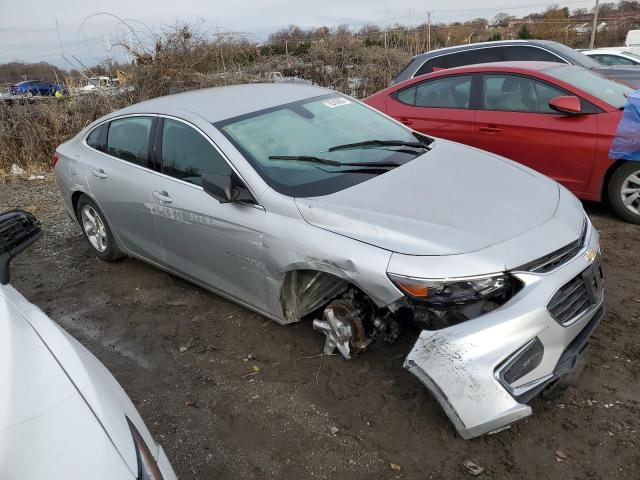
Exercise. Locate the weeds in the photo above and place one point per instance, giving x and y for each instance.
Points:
(184, 58)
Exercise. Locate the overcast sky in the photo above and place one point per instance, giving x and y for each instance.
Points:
(30, 34)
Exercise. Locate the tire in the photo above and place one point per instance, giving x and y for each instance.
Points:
(96, 230)
(625, 186)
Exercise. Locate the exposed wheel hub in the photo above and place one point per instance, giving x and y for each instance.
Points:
(343, 326)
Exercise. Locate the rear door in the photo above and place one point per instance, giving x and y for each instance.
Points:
(440, 107)
(119, 174)
(215, 244)
(516, 122)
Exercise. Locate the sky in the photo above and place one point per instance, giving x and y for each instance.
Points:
(83, 32)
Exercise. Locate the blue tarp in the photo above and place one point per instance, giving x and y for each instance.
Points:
(626, 143)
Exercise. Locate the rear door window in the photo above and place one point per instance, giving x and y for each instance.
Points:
(448, 92)
(128, 139)
(523, 53)
(187, 154)
(477, 55)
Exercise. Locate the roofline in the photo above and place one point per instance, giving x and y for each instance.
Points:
(476, 44)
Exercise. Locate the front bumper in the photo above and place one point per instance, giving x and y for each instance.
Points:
(461, 364)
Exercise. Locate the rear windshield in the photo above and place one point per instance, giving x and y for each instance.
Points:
(309, 128)
(614, 93)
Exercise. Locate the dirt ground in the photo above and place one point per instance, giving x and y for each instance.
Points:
(186, 358)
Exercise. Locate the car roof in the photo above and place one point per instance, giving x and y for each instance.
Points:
(220, 103)
(471, 46)
(518, 66)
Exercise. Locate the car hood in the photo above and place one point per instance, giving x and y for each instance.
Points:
(59, 394)
(453, 199)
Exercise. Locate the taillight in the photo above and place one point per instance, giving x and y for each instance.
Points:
(54, 160)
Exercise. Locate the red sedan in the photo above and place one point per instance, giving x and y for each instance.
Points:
(555, 118)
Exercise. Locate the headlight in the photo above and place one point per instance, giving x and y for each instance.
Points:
(147, 465)
(453, 290)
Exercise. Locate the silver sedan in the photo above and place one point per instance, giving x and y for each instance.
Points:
(299, 202)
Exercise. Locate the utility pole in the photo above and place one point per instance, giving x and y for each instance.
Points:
(595, 25)
(428, 31)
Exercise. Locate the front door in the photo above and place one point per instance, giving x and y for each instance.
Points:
(518, 123)
(215, 244)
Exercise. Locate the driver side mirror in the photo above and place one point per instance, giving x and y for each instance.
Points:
(226, 188)
(566, 104)
(18, 230)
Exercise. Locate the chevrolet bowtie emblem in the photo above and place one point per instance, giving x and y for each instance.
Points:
(591, 255)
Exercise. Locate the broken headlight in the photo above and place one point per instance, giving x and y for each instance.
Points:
(451, 290)
(147, 467)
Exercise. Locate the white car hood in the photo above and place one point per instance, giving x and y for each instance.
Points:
(451, 200)
(58, 400)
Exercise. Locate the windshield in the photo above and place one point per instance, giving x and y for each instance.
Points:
(614, 93)
(307, 130)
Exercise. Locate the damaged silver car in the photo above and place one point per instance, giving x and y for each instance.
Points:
(301, 203)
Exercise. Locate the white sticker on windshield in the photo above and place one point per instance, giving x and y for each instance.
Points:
(336, 102)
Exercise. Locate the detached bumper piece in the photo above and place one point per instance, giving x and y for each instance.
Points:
(472, 392)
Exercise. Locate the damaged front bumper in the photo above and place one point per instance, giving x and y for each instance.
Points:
(466, 366)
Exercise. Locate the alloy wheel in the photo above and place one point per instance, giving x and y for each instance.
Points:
(94, 228)
(630, 192)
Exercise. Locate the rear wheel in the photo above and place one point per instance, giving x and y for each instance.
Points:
(624, 192)
(97, 231)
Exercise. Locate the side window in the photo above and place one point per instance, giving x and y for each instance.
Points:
(128, 139)
(477, 55)
(612, 60)
(93, 139)
(187, 154)
(531, 54)
(448, 92)
(512, 93)
(432, 65)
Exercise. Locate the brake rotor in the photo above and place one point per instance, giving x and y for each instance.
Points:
(343, 326)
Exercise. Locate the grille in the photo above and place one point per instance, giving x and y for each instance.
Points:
(555, 259)
(577, 296)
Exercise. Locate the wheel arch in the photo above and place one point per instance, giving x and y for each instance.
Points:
(604, 188)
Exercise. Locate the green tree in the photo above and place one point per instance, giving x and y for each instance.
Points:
(524, 33)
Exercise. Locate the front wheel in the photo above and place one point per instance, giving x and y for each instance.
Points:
(97, 231)
(624, 192)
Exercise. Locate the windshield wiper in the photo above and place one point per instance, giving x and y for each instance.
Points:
(380, 143)
(334, 163)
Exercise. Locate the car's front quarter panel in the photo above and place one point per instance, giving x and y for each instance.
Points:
(291, 244)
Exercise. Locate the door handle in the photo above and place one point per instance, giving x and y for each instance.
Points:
(163, 197)
(99, 173)
(406, 121)
(490, 129)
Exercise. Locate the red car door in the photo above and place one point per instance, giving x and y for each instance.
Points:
(517, 122)
(439, 107)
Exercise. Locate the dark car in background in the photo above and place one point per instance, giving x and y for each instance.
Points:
(35, 87)
(513, 50)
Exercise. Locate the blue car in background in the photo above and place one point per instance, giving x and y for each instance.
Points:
(35, 87)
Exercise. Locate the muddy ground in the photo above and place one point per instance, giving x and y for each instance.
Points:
(182, 353)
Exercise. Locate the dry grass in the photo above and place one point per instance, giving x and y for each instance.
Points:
(184, 59)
